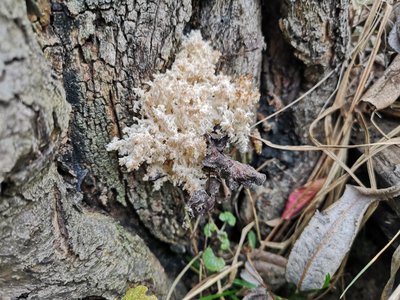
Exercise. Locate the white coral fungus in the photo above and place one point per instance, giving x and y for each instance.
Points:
(178, 109)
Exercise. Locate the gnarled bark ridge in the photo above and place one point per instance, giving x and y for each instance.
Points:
(68, 87)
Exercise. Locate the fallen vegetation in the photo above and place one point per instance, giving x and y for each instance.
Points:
(306, 247)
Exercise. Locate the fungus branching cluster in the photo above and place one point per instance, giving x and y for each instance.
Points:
(178, 110)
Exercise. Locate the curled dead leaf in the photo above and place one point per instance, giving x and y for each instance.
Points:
(385, 90)
(329, 235)
(265, 268)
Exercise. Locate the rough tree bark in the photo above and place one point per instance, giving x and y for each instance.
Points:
(73, 224)
(52, 246)
(63, 195)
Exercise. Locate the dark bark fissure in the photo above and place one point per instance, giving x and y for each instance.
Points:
(281, 83)
(61, 242)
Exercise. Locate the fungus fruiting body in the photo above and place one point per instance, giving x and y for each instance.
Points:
(178, 110)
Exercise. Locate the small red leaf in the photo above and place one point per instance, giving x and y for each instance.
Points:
(300, 197)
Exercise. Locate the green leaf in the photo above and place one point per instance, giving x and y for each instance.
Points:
(138, 293)
(228, 217)
(209, 228)
(252, 239)
(223, 238)
(243, 283)
(212, 263)
(327, 281)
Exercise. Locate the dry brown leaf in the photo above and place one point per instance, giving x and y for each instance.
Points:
(325, 241)
(393, 271)
(250, 274)
(258, 294)
(269, 257)
(385, 90)
(265, 267)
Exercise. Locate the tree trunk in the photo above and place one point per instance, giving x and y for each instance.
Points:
(73, 223)
(53, 246)
(63, 196)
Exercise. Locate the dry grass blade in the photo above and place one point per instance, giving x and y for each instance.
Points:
(370, 166)
(367, 70)
(369, 27)
(275, 245)
(395, 266)
(297, 100)
(322, 147)
(209, 281)
(319, 148)
(372, 119)
(254, 214)
(245, 231)
(370, 263)
(396, 294)
(220, 289)
(179, 277)
(341, 162)
(361, 160)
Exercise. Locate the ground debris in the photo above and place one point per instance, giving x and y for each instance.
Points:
(327, 238)
(224, 170)
(234, 172)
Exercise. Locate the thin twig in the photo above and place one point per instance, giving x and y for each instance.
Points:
(245, 231)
